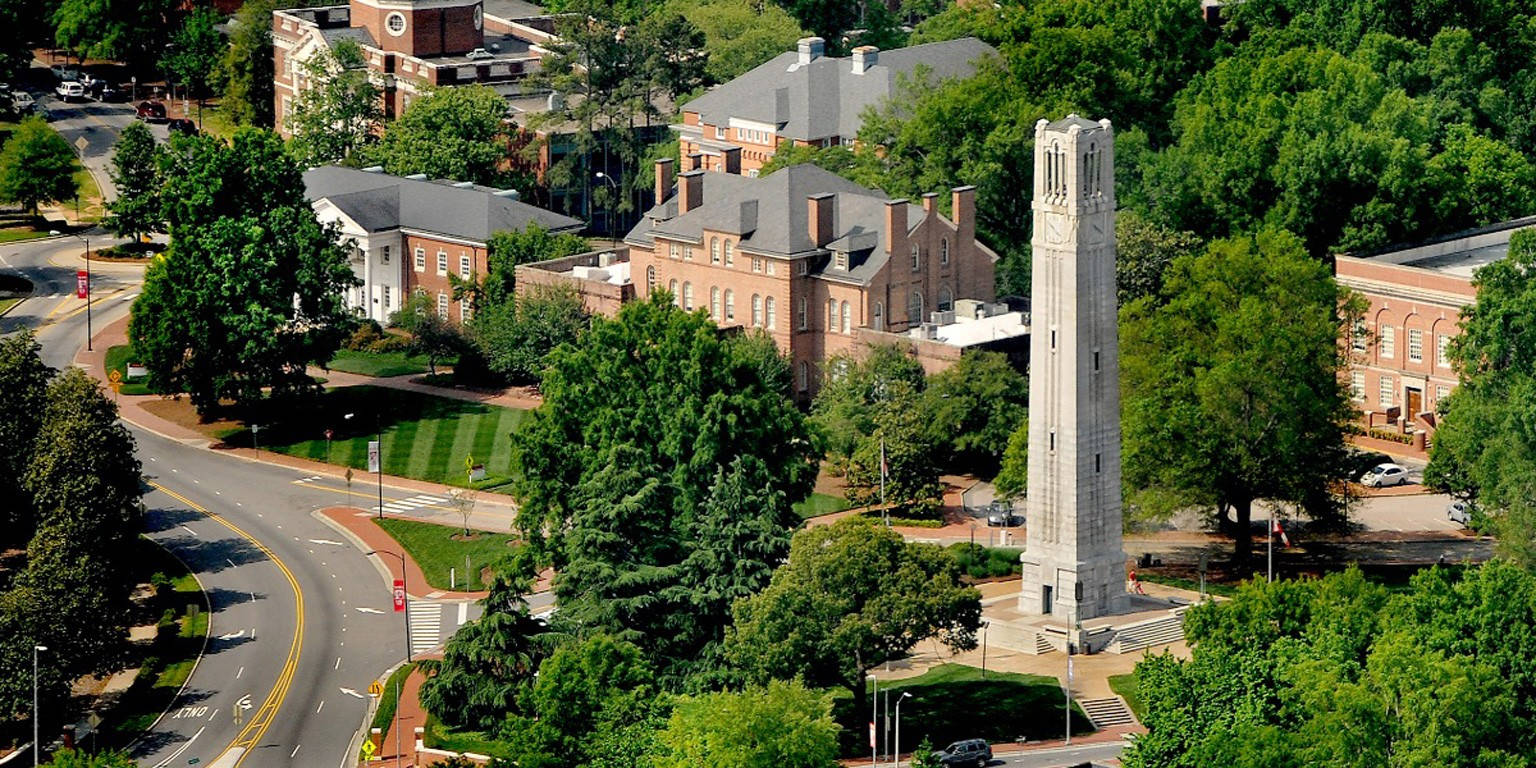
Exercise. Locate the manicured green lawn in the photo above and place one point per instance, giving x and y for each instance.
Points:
(818, 504)
(6, 304)
(168, 661)
(440, 736)
(118, 357)
(14, 234)
(379, 363)
(1124, 686)
(425, 437)
(387, 701)
(952, 702)
(435, 549)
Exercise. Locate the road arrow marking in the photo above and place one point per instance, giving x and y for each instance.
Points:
(350, 692)
(327, 541)
(368, 610)
(233, 635)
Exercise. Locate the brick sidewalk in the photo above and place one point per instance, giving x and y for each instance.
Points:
(409, 716)
(369, 536)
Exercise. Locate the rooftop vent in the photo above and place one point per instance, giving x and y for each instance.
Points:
(374, 169)
(463, 184)
(417, 176)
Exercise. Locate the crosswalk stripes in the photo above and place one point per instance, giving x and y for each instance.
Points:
(426, 625)
(309, 479)
(415, 502)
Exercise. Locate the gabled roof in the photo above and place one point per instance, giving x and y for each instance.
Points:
(380, 202)
(776, 208)
(825, 98)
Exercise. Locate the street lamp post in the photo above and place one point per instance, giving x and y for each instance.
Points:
(874, 714)
(87, 240)
(896, 750)
(613, 235)
(984, 626)
(36, 741)
(404, 585)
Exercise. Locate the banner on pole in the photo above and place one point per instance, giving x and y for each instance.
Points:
(82, 284)
(399, 595)
(373, 456)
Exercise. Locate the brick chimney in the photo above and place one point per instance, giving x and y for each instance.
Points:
(962, 211)
(730, 160)
(690, 191)
(663, 179)
(895, 227)
(864, 58)
(810, 49)
(930, 199)
(819, 218)
(694, 161)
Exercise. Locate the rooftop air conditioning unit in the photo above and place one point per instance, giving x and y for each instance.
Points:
(947, 317)
(607, 259)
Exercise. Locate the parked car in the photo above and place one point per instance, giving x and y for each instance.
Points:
(966, 753)
(151, 112)
(182, 126)
(1004, 519)
(23, 102)
(102, 90)
(70, 90)
(1459, 512)
(1383, 475)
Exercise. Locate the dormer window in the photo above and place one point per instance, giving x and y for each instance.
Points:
(840, 260)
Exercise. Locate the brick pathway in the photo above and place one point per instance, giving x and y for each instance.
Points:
(369, 536)
(409, 716)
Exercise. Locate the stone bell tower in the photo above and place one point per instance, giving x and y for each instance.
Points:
(1073, 512)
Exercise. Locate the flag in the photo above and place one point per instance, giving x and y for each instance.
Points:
(1278, 531)
(883, 468)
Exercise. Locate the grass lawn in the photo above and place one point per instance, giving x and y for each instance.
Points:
(425, 437)
(13, 234)
(952, 702)
(168, 660)
(91, 206)
(1193, 585)
(117, 359)
(1124, 686)
(440, 736)
(818, 504)
(387, 701)
(435, 549)
(378, 363)
(6, 304)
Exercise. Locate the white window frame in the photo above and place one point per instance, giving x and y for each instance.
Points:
(465, 265)
(917, 259)
(442, 262)
(1387, 344)
(714, 303)
(847, 313)
(421, 259)
(802, 311)
(384, 255)
(771, 312)
(674, 250)
(1357, 385)
(943, 250)
(714, 250)
(1442, 350)
(757, 311)
(442, 305)
(687, 296)
(1415, 345)
(1386, 394)
(730, 253)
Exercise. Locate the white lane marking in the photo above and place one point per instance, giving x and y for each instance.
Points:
(350, 692)
(338, 663)
(317, 711)
(173, 469)
(153, 459)
(197, 481)
(189, 530)
(295, 751)
(214, 712)
(239, 673)
(239, 633)
(463, 612)
(183, 748)
(361, 609)
(327, 541)
(231, 562)
(218, 493)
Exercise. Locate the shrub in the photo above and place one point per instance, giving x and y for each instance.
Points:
(1393, 435)
(981, 562)
(368, 332)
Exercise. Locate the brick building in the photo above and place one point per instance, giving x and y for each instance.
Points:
(1400, 369)
(412, 45)
(408, 234)
(809, 257)
(807, 99)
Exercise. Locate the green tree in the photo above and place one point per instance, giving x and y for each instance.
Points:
(335, 116)
(827, 19)
(853, 595)
(584, 685)
(1013, 478)
(1143, 251)
(972, 407)
(69, 758)
(193, 57)
(37, 166)
(675, 53)
(516, 338)
(432, 334)
(136, 174)
(251, 290)
(23, 392)
(245, 71)
(1233, 384)
(449, 133)
(738, 34)
(134, 32)
(639, 417)
(506, 250)
(845, 408)
(897, 463)
(781, 725)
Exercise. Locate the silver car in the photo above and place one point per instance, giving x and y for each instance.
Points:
(1459, 512)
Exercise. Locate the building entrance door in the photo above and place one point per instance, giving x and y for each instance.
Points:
(1415, 401)
(1045, 597)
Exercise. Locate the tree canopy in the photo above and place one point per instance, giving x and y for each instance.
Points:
(245, 70)
(136, 161)
(448, 133)
(37, 166)
(337, 115)
(781, 725)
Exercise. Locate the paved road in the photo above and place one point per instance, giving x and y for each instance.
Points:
(1062, 756)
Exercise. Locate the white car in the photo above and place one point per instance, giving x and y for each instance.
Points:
(1459, 512)
(1383, 475)
(23, 101)
(70, 89)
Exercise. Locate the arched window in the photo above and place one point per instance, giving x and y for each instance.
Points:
(688, 296)
(800, 313)
(946, 298)
(757, 311)
(831, 315)
(879, 323)
(914, 306)
(730, 254)
(804, 376)
(770, 310)
(714, 303)
(677, 298)
(917, 259)
(944, 250)
(714, 250)
(650, 280)
(847, 318)
(730, 305)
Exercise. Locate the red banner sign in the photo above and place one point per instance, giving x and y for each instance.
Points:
(82, 284)
(399, 595)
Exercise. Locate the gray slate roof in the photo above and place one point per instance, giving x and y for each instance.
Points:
(379, 202)
(825, 98)
(772, 215)
(513, 9)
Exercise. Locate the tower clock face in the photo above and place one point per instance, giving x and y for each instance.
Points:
(479, 17)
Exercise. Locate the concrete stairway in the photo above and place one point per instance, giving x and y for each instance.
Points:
(1146, 634)
(1108, 712)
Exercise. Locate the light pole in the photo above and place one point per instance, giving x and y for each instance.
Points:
(36, 741)
(87, 241)
(984, 626)
(874, 714)
(896, 750)
(1077, 621)
(613, 235)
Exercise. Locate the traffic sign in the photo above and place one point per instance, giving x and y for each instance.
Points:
(82, 284)
(81, 144)
(399, 595)
(376, 688)
(368, 748)
(115, 376)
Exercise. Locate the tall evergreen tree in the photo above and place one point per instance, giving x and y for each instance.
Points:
(23, 393)
(136, 174)
(245, 71)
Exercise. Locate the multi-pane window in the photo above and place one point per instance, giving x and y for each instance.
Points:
(946, 299)
(714, 303)
(840, 259)
(800, 314)
(915, 307)
(687, 253)
(384, 255)
(944, 251)
(1415, 345)
(1443, 351)
(385, 296)
(1388, 343)
(1385, 391)
(917, 259)
(464, 265)
(1357, 385)
(1357, 336)
(879, 314)
(831, 315)
(770, 310)
(757, 311)
(673, 250)
(677, 298)
(772, 269)
(688, 296)
(442, 305)
(714, 250)
(465, 309)
(757, 264)
(804, 377)
(442, 262)
(650, 280)
(1441, 393)
(730, 305)
(847, 318)
(730, 254)
(421, 259)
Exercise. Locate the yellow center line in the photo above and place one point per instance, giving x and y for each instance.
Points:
(257, 726)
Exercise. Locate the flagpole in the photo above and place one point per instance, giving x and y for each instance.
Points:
(1270, 537)
(885, 512)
